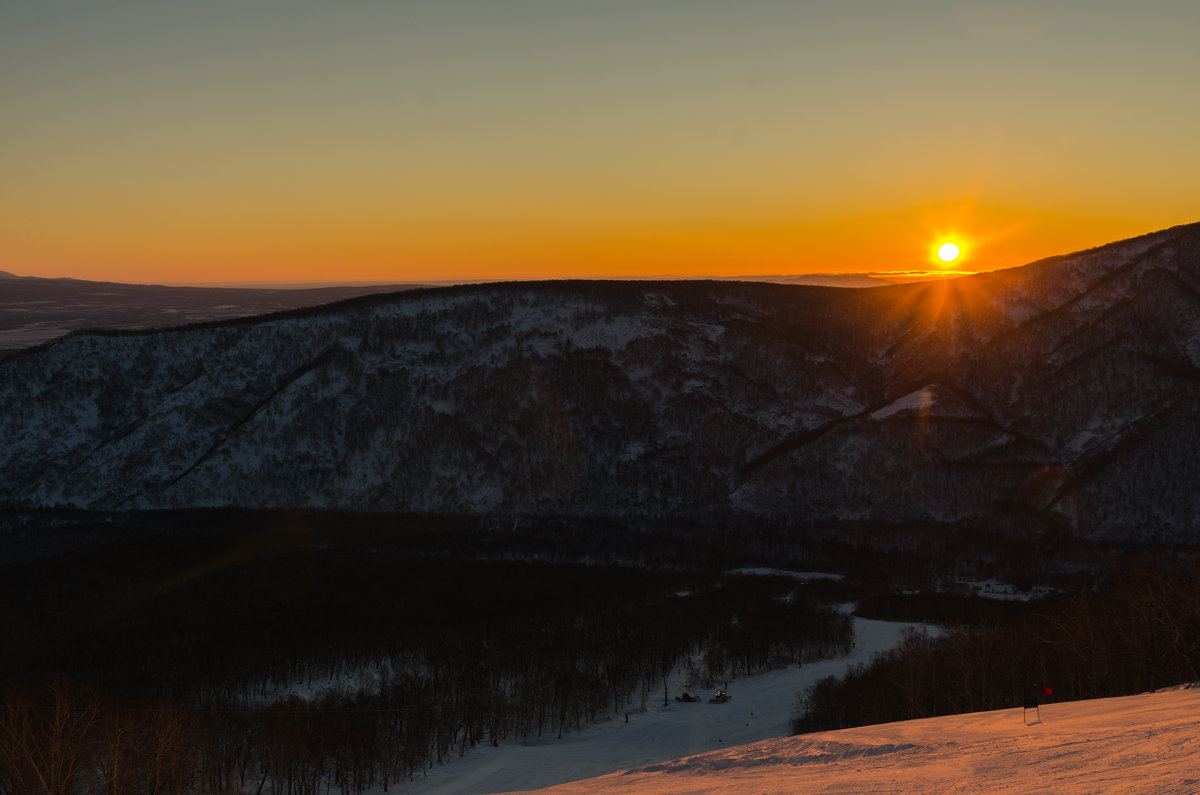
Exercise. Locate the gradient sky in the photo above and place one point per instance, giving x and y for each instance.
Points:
(256, 140)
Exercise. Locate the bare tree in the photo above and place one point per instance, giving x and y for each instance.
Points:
(46, 738)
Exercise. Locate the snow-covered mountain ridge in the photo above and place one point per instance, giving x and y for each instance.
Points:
(1063, 393)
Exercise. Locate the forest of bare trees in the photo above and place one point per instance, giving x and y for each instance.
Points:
(304, 652)
(1138, 631)
(278, 661)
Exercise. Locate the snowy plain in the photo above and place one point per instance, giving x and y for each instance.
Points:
(760, 708)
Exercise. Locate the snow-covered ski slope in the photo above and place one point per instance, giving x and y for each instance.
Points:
(1147, 743)
(761, 707)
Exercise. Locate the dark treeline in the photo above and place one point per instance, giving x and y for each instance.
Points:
(901, 555)
(949, 607)
(170, 664)
(1138, 631)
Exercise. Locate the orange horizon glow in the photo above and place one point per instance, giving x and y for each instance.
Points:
(225, 142)
(898, 246)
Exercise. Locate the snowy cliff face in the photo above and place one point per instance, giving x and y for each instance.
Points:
(1062, 392)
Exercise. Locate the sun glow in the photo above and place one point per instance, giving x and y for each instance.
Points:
(948, 252)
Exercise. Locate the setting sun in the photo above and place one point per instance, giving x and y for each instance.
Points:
(947, 252)
(715, 151)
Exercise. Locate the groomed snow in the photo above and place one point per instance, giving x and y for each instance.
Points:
(1146, 743)
(761, 707)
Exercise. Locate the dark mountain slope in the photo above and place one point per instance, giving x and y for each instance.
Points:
(1060, 393)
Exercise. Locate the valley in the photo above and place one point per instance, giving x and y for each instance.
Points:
(347, 546)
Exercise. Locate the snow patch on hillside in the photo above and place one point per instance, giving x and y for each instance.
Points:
(802, 576)
(917, 400)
